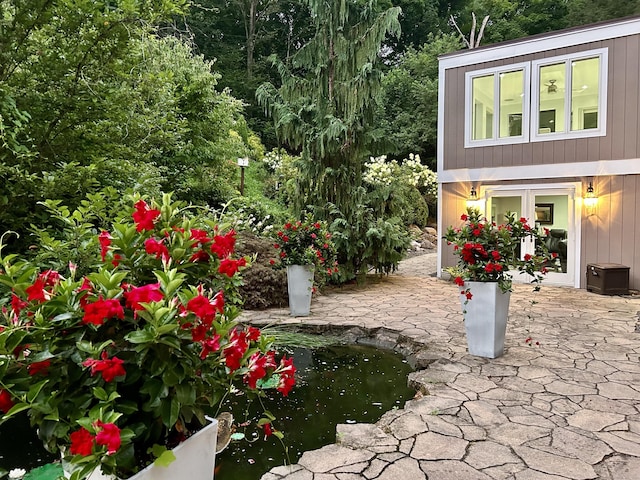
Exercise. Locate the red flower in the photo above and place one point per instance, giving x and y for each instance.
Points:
(469, 295)
(527, 257)
(285, 238)
(258, 365)
(200, 236)
(522, 220)
(287, 226)
(144, 216)
(110, 368)
(81, 442)
(210, 345)
(268, 431)
(235, 349)
(5, 401)
(229, 267)
(204, 308)
(199, 333)
(489, 267)
(116, 260)
(253, 334)
(477, 232)
(495, 254)
(224, 245)
(157, 248)
(287, 371)
(464, 217)
(37, 292)
(145, 294)
(101, 310)
(459, 281)
(199, 256)
(39, 367)
(105, 241)
(17, 304)
(109, 436)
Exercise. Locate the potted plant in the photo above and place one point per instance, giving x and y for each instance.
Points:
(117, 362)
(488, 254)
(306, 249)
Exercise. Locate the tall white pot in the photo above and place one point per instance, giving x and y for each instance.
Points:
(195, 460)
(485, 318)
(300, 287)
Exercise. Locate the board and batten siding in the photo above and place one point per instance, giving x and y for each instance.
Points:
(610, 233)
(622, 140)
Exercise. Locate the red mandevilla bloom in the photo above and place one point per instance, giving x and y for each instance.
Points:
(109, 435)
(5, 401)
(204, 308)
(224, 245)
(235, 349)
(105, 242)
(81, 442)
(39, 367)
(110, 368)
(145, 294)
(210, 345)
(230, 267)
(144, 217)
(17, 304)
(157, 248)
(287, 371)
(258, 365)
(101, 310)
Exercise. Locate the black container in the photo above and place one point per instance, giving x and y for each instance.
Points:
(608, 278)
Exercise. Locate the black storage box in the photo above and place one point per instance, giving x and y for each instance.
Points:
(608, 278)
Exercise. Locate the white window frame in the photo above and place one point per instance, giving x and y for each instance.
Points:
(567, 133)
(526, 105)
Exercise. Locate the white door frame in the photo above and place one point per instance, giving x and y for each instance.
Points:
(572, 190)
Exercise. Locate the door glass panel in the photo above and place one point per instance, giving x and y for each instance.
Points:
(499, 207)
(552, 218)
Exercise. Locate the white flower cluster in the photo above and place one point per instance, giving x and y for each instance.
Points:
(247, 221)
(273, 160)
(381, 172)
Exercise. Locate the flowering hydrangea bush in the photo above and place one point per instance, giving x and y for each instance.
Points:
(488, 252)
(410, 171)
(307, 242)
(132, 354)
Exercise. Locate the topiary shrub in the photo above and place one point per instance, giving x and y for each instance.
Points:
(264, 286)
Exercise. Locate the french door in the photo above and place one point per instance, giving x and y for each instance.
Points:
(550, 208)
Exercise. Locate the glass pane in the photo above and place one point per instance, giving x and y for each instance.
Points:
(499, 207)
(482, 114)
(552, 217)
(551, 113)
(511, 103)
(585, 90)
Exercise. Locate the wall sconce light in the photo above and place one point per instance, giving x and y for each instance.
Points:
(472, 200)
(590, 199)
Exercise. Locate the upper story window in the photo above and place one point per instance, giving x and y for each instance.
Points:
(549, 99)
(569, 96)
(499, 101)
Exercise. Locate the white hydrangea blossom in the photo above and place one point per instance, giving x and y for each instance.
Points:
(380, 172)
(273, 160)
(17, 473)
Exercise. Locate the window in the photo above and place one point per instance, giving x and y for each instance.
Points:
(547, 99)
(568, 96)
(498, 98)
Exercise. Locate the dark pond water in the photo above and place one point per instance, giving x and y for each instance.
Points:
(339, 384)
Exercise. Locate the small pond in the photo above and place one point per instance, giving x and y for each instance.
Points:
(336, 384)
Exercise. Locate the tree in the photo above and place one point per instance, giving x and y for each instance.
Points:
(326, 108)
(411, 93)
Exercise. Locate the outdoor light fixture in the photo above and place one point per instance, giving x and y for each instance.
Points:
(472, 200)
(590, 199)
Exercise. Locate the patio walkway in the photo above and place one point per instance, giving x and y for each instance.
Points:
(568, 408)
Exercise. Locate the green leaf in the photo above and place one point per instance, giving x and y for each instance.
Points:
(170, 412)
(35, 390)
(140, 336)
(17, 408)
(164, 457)
(100, 393)
(186, 394)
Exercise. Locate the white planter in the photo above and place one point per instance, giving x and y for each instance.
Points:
(195, 460)
(485, 318)
(300, 287)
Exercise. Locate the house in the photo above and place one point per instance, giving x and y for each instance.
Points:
(548, 127)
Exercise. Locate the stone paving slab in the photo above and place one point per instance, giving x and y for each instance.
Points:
(565, 407)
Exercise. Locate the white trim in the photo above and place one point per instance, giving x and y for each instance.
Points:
(468, 105)
(566, 132)
(540, 171)
(552, 41)
(441, 233)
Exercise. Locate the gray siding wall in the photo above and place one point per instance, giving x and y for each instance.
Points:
(623, 116)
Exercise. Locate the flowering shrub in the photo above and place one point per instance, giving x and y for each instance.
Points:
(489, 253)
(307, 242)
(410, 171)
(131, 355)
